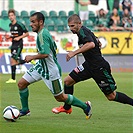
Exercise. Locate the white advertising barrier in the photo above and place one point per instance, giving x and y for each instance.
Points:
(5, 67)
(65, 42)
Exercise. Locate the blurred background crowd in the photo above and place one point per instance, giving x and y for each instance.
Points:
(117, 17)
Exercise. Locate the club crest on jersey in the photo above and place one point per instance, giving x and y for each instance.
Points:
(15, 28)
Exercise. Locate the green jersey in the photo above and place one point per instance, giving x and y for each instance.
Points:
(83, 8)
(47, 67)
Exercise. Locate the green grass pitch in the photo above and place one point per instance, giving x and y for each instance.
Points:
(108, 117)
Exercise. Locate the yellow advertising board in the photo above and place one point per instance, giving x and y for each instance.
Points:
(116, 42)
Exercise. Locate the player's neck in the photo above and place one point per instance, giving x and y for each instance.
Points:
(41, 27)
(14, 21)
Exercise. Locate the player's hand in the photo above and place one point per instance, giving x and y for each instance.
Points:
(69, 55)
(28, 58)
(16, 38)
(100, 44)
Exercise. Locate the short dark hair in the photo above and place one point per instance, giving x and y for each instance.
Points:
(74, 18)
(39, 15)
(11, 11)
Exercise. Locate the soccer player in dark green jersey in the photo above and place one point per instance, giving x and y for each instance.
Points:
(18, 32)
(46, 69)
(95, 66)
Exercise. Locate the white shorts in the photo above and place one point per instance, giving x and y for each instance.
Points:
(55, 86)
(84, 15)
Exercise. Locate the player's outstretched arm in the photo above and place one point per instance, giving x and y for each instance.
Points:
(29, 58)
(84, 48)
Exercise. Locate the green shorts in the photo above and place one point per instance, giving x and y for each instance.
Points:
(16, 53)
(101, 75)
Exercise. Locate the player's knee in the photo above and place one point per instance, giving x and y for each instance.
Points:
(69, 81)
(60, 98)
(66, 81)
(111, 96)
(22, 84)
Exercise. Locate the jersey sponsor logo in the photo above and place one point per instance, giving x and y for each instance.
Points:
(14, 32)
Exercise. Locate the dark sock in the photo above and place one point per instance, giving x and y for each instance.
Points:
(122, 98)
(13, 69)
(68, 90)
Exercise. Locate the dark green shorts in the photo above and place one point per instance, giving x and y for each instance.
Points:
(16, 53)
(101, 75)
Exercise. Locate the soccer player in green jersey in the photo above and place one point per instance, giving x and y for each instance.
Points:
(46, 69)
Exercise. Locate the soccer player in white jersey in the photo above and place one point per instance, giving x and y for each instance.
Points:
(46, 69)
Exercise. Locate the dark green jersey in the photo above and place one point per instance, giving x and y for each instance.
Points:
(16, 30)
(92, 56)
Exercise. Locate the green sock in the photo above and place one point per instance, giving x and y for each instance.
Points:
(24, 94)
(75, 102)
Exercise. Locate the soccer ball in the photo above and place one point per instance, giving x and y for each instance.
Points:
(11, 113)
